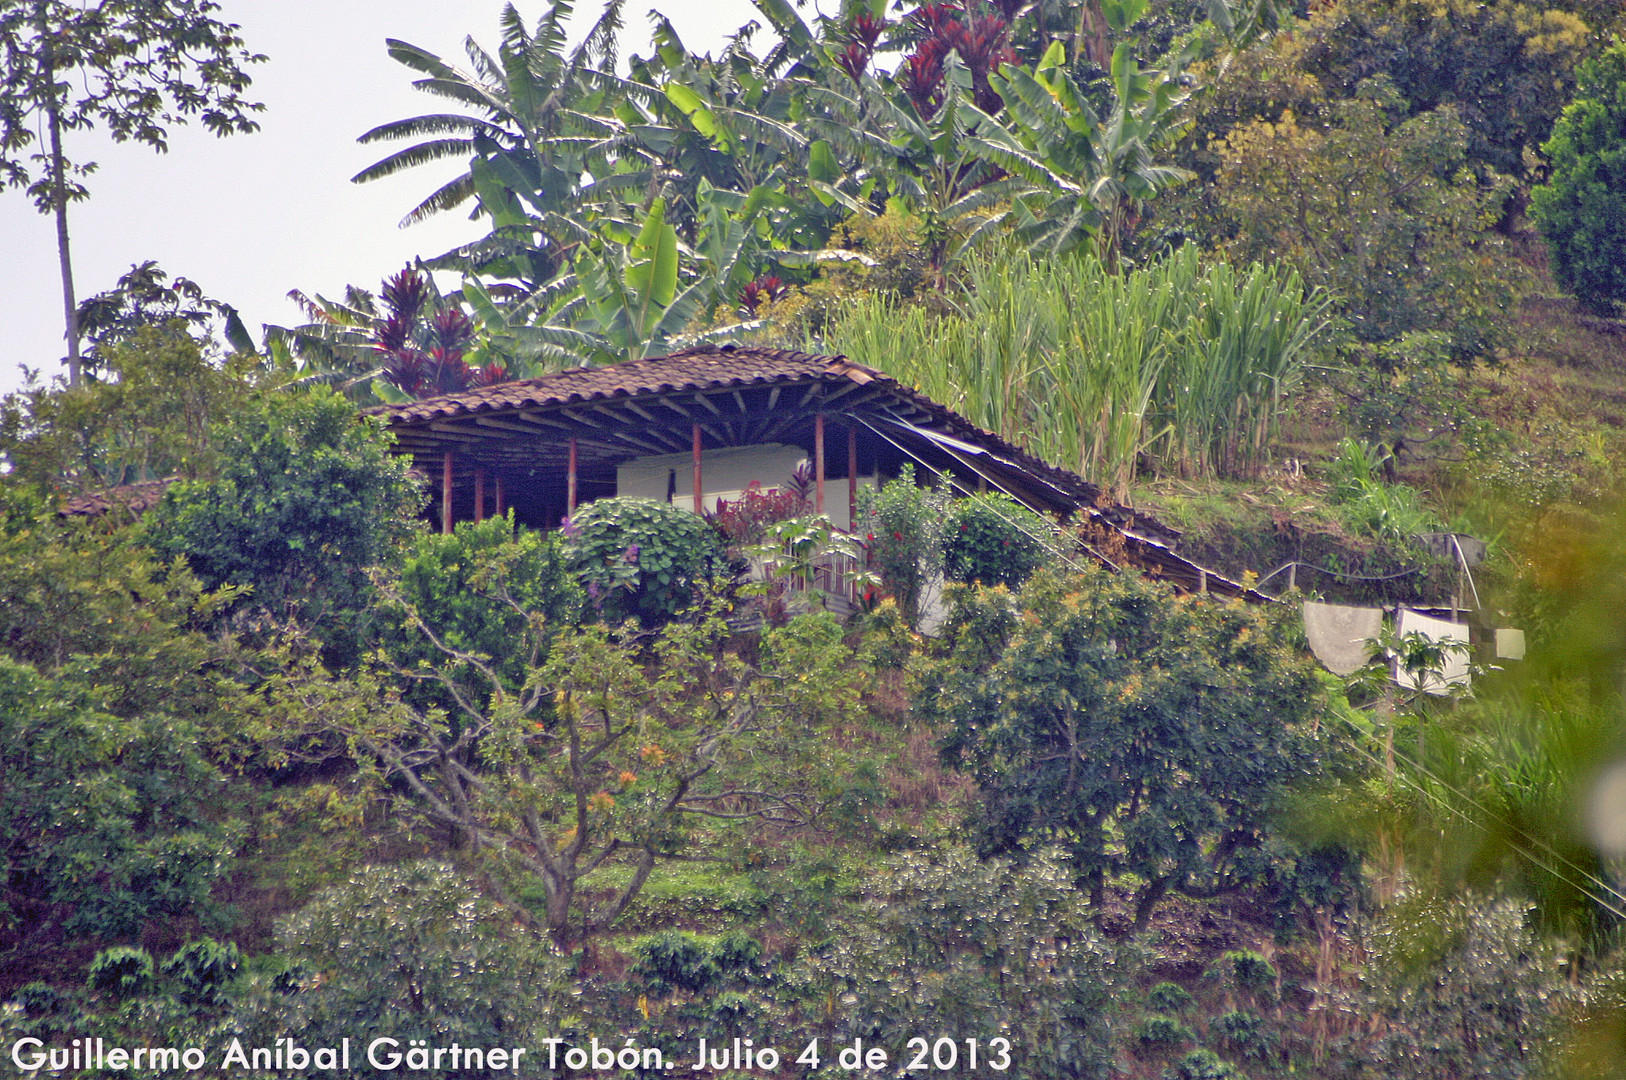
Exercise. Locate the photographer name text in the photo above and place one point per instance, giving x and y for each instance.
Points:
(384, 1054)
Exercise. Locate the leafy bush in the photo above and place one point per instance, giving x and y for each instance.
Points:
(903, 528)
(1249, 972)
(121, 972)
(1242, 1033)
(1201, 1065)
(1168, 997)
(994, 539)
(1162, 1032)
(1360, 191)
(475, 589)
(1581, 210)
(1459, 987)
(1147, 733)
(979, 946)
(1393, 513)
(641, 557)
(406, 951)
(202, 969)
(102, 824)
(674, 960)
(308, 497)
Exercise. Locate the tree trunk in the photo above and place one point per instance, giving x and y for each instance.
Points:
(1147, 902)
(59, 190)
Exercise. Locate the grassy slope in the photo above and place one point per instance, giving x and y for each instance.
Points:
(1536, 434)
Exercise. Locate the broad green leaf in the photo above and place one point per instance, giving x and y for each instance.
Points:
(652, 272)
(821, 163)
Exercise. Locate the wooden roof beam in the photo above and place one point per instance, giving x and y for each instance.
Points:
(582, 420)
(828, 398)
(503, 425)
(546, 421)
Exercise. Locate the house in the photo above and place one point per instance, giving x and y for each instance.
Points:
(702, 424)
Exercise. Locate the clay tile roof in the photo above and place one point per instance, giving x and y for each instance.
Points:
(136, 499)
(703, 368)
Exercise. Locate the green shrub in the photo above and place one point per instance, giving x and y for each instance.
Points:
(1242, 1033)
(1168, 997)
(407, 951)
(903, 529)
(1393, 513)
(475, 589)
(202, 969)
(639, 557)
(1201, 1065)
(674, 960)
(103, 821)
(1162, 1032)
(121, 972)
(732, 1013)
(307, 499)
(994, 539)
(1581, 210)
(1249, 972)
(737, 952)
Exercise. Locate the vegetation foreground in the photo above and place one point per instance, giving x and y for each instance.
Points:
(292, 785)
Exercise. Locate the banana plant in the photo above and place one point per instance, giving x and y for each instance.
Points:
(927, 156)
(1091, 174)
(525, 131)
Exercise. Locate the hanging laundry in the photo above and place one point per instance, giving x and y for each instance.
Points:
(1510, 644)
(1453, 669)
(1339, 635)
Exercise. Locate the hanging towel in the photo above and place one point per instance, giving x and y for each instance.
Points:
(1510, 644)
(1338, 635)
(1453, 669)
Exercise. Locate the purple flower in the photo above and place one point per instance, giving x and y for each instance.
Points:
(568, 528)
(632, 553)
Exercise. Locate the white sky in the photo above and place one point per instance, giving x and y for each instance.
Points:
(252, 216)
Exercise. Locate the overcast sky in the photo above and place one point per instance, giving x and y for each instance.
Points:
(252, 216)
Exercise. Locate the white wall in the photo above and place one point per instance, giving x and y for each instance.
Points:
(724, 474)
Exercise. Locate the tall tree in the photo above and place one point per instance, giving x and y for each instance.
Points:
(1581, 210)
(135, 66)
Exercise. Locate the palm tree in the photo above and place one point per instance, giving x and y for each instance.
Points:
(522, 133)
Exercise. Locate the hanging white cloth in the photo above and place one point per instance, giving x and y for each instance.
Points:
(1339, 635)
(1453, 669)
(1509, 644)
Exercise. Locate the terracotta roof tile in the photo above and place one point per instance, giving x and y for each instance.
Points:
(704, 368)
(137, 499)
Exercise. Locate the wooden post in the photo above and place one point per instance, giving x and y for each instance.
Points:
(570, 481)
(502, 508)
(446, 493)
(479, 495)
(852, 477)
(818, 463)
(697, 507)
